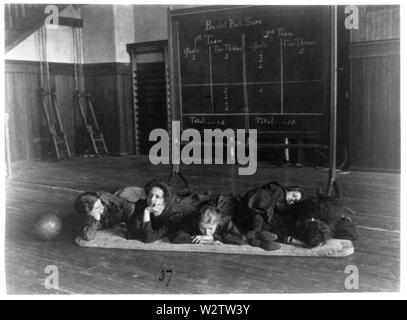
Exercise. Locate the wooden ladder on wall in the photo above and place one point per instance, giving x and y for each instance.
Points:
(55, 128)
(95, 134)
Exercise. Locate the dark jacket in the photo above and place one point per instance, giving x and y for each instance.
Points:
(312, 221)
(156, 228)
(168, 222)
(116, 210)
(262, 202)
(226, 231)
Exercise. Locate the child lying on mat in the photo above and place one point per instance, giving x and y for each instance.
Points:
(210, 227)
(295, 218)
(207, 227)
(151, 219)
(315, 220)
(257, 207)
(146, 220)
(259, 217)
(102, 210)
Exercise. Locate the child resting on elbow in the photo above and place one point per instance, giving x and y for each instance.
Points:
(146, 219)
(151, 219)
(210, 227)
(102, 210)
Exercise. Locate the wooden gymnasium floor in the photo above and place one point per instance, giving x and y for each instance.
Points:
(44, 187)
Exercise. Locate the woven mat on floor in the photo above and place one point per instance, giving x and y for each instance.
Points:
(114, 238)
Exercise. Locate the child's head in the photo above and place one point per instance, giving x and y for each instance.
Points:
(294, 194)
(208, 220)
(313, 232)
(158, 193)
(98, 207)
(87, 202)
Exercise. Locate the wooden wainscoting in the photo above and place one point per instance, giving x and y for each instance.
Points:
(109, 85)
(375, 105)
(28, 136)
(374, 117)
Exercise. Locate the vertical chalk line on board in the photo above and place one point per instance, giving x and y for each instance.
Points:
(281, 77)
(246, 103)
(211, 77)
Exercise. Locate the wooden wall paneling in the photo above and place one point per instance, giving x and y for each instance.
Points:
(30, 94)
(381, 24)
(65, 86)
(358, 148)
(53, 117)
(81, 135)
(29, 88)
(377, 109)
(367, 111)
(102, 89)
(343, 92)
(9, 95)
(18, 150)
(109, 85)
(48, 151)
(95, 87)
(125, 111)
(368, 49)
(395, 116)
(98, 109)
(375, 90)
(21, 115)
(128, 116)
(82, 139)
(112, 113)
(30, 139)
(168, 90)
(135, 102)
(375, 113)
(385, 112)
(36, 116)
(121, 115)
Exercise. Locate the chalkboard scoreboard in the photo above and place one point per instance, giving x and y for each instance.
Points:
(252, 67)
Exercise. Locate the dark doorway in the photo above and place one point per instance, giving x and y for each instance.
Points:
(152, 103)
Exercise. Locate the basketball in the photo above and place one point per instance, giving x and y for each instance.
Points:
(47, 227)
